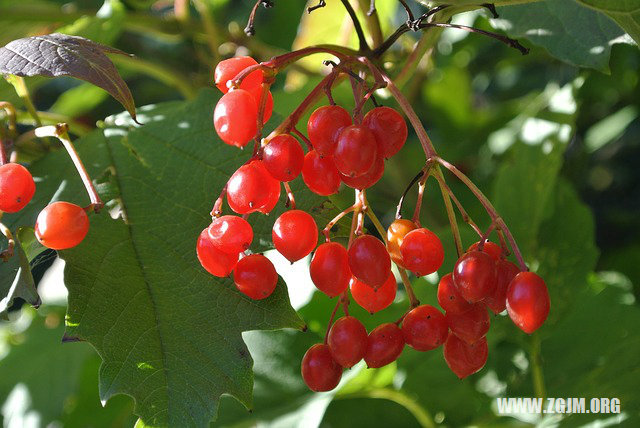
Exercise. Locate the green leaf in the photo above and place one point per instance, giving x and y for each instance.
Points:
(16, 279)
(625, 12)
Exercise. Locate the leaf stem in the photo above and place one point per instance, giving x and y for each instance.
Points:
(536, 366)
(8, 253)
(20, 86)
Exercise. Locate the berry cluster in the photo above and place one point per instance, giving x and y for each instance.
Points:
(351, 149)
(60, 225)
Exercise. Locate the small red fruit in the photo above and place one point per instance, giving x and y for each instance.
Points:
(295, 234)
(389, 129)
(395, 235)
(506, 271)
(271, 190)
(471, 325)
(231, 234)
(213, 260)
(450, 298)
(465, 359)
(319, 370)
(228, 69)
(494, 250)
(424, 328)
(371, 299)
(320, 174)
(384, 345)
(347, 341)
(369, 260)
(283, 157)
(528, 301)
(329, 269)
(369, 178)
(61, 225)
(475, 275)
(255, 276)
(235, 117)
(246, 188)
(355, 151)
(16, 187)
(324, 125)
(422, 251)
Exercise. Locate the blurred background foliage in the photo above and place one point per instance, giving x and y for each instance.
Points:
(554, 145)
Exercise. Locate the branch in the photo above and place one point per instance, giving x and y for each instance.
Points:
(364, 46)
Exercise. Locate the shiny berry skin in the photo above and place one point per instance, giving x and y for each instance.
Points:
(268, 106)
(471, 325)
(324, 125)
(320, 174)
(61, 225)
(389, 129)
(329, 269)
(283, 157)
(422, 251)
(505, 271)
(213, 260)
(371, 299)
(319, 370)
(464, 359)
(228, 69)
(355, 151)
(395, 235)
(271, 190)
(369, 178)
(369, 260)
(384, 345)
(494, 250)
(255, 276)
(528, 301)
(347, 341)
(245, 189)
(235, 117)
(295, 234)
(450, 298)
(231, 234)
(474, 275)
(424, 328)
(16, 187)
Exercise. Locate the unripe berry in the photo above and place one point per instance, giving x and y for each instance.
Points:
(347, 341)
(319, 370)
(384, 345)
(528, 301)
(329, 269)
(61, 225)
(255, 276)
(16, 187)
(213, 260)
(424, 328)
(395, 235)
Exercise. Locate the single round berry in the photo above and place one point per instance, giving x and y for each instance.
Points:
(464, 359)
(231, 234)
(471, 325)
(374, 300)
(320, 174)
(295, 234)
(384, 345)
(324, 125)
(505, 272)
(422, 252)
(369, 260)
(213, 260)
(319, 370)
(347, 341)
(245, 188)
(475, 275)
(255, 276)
(61, 225)
(235, 117)
(424, 328)
(355, 151)
(367, 179)
(528, 301)
(228, 69)
(271, 188)
(389, 129)
(395, 235)
(283, 157)
(494, 250)
(16, 187)
(329, 269)
(449, 297)
(268, 106)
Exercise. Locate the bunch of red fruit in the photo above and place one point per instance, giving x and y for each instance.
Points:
(60, 225)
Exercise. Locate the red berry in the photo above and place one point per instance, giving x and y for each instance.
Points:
(494, 250)
(465, 359)
(235, 117)
(422, 252)
(295, 234)
(255, 276)
(395, 235)
(369, 260)
(528, 301)
(215, 261)
(324, 125)
(384, 345)
(475, 276)
(424, 328)
(61, 225)
(471, 325)
(389, 129)
(329, 269)
(319, 370)
(371, 299)
(245, 189)
(369, 178)
(347, 341)
(320, 174)
(506, 271)
(268, 107)
(283, 157)
(271, 190)
(355, 151)
(231, 234)
(450, 298)
(16, 187)
(228, 69)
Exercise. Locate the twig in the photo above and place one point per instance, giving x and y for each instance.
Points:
(364, 46)
(321, 3)
(413, 300)
(291, 200)
(330, 323)
(413, 181)
(250, 30)
(303, 137)
(8, 253)
(327, 229)
(465, 216)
